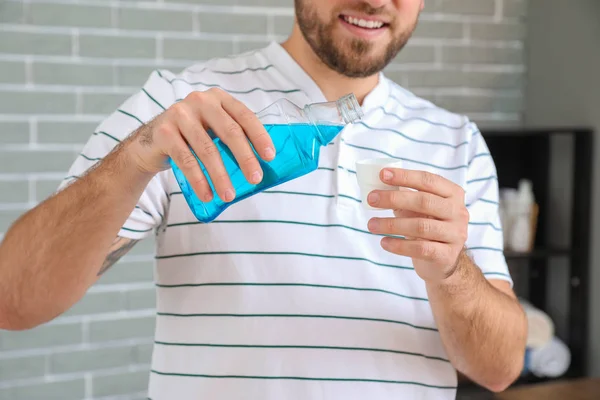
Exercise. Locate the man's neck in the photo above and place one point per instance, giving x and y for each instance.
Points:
(333, 84)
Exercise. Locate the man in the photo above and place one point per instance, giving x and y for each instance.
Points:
(299, 292)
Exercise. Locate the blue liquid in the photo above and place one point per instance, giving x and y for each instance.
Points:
(297, 149)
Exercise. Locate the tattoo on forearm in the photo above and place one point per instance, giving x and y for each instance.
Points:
(118, 249)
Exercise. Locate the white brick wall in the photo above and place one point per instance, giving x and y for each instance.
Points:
(66, 64)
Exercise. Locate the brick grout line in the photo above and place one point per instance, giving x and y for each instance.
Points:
(121, 287)
(47, 364)
(26, 9)
(32, 190)
(121, 315)
(73, 376)
(78, 100)
(50, 350)
(40, 176)
(85, 330)
(52, 117)
(14, 206)
(39, 147)
(235, 45)
(160, 6)
(114, 14)
(498, 10)
(438, 56)
(270, 25)
(47, 88)
(196, 27)
(29, 70)
(128, 33)
(89, 385)
(33, 130)
(78, 60)
(74, 41)
(115, 73)
(467, 32)
(159, 41)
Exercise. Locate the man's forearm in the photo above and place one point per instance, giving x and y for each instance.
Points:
(53, 253)
(483, 329)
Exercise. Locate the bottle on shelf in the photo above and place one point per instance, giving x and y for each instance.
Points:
(521, 229)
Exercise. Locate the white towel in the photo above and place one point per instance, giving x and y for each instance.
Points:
(551, 360)
(539, 325)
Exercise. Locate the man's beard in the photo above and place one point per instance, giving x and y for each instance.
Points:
(350, 60)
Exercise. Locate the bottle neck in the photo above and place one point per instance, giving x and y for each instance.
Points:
(330, 117)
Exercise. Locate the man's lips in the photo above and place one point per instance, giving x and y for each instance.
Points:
(366, 22)
(363, 28)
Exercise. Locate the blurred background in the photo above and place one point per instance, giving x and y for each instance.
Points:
(524, 70)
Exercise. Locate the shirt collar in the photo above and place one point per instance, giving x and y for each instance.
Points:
(284, 62)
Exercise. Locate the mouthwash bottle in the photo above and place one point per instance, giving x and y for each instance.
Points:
(297, 133)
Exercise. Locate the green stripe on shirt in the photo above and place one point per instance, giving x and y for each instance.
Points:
(258, 346)
(154, 371)
(107, 135)
(282, 253)
(183, 285)
(316, 316)
(274, 221)
(131, 115)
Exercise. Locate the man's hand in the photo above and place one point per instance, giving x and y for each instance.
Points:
(433, 218)
(186, 124)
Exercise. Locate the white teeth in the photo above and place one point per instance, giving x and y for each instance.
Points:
(363, 23)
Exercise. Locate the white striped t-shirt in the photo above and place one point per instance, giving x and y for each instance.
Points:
(286, 295)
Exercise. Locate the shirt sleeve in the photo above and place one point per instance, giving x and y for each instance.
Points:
(154, 97)
(485, 243)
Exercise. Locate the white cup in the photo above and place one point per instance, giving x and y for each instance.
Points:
(367, 175)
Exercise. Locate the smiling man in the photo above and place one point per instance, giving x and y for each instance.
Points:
(298, 292)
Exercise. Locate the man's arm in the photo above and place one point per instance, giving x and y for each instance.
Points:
(482, 325)
(55, 252)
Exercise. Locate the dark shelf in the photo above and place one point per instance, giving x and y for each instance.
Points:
(531, 152)
(537, 254)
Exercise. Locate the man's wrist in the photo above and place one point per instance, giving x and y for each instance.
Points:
(118, 173)
(461, 275)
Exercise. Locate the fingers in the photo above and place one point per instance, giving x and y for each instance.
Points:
(186, 161)
(251, 125)
(418, 202)
(232, 134)
(434, 252)
(196, 136)
(237, 127)
(422, 181)
(423, 228)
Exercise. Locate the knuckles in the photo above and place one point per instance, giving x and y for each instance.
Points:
(426, 202)
(180, 111)
(187, 160)
(232, 130)
(196, 97)
(428, 180)
(165, 129)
